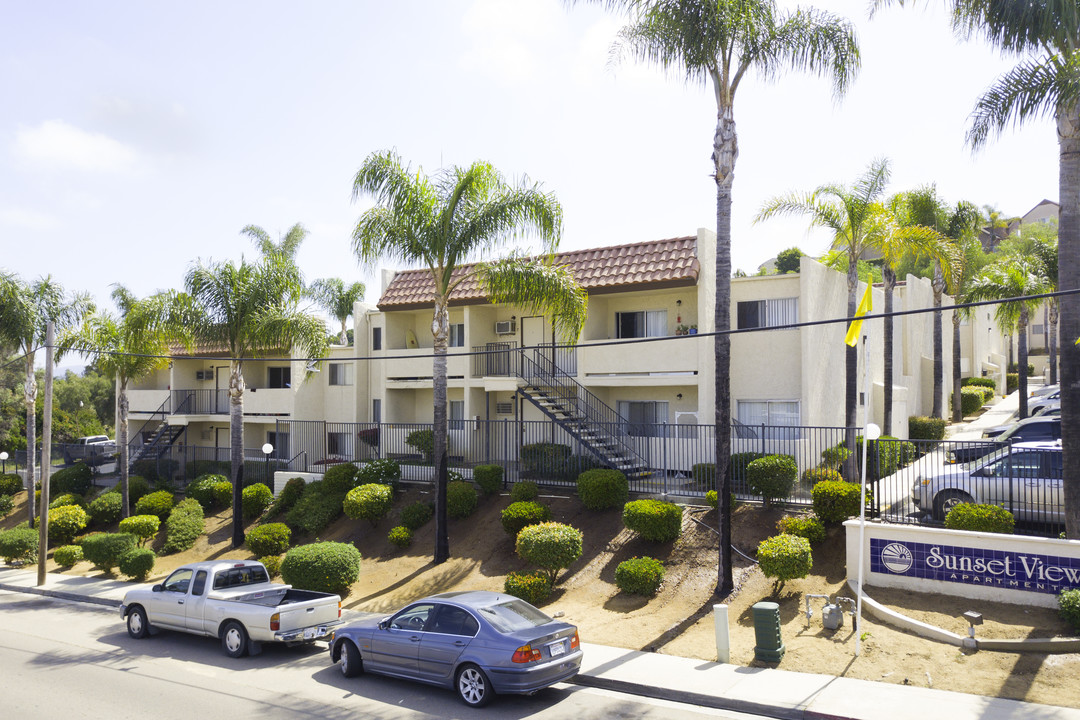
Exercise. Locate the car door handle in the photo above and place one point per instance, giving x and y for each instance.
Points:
(415, 638)
(458, 643)
(179, 602)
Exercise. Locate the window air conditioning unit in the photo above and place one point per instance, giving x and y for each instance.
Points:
(204, 374)
(506, 327)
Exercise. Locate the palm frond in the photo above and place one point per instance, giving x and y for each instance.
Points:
(539, 287)
(1034, 88)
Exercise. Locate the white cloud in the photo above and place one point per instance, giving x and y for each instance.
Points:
(27, 219)
(54, 144)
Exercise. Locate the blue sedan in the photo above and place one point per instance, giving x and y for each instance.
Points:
(479, 643)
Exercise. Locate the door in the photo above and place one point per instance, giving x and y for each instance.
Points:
(193, 612)
(221, 390)
(448, 634)
(167, 605)
(395, 647)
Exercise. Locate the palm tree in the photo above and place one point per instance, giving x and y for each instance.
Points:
(968, 260)
(1012, 276)
(28, 308)
(854, 216)
(439, 223)
(1040, 242)
(332, 295)
(286, 246)
(129, 348)
(248, 310)
(717, 42)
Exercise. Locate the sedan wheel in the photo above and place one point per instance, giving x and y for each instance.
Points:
(351, 664)
(473, 687)
(947, 500)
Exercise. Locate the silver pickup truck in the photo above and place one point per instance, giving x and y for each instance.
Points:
(233, 601)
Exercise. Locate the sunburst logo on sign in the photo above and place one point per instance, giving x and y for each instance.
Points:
(897, 558)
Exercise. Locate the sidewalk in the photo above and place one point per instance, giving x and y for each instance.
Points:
(773, 693)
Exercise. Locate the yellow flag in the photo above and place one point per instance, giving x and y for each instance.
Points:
(865, 305)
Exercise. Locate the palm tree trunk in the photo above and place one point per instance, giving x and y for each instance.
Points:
(1022, 348)
(939, 370)
(1068, 123)
(122, 442)
(851, 373)
(30, 398)
(344, 337)
(236, 447)
(957, 412)
(1053, 323)
(725, 153)
(440, 330)
(890, 282)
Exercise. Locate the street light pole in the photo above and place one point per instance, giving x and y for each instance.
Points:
(3, 459)
(267, 448)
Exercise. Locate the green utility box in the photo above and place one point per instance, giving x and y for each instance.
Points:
(770, 647)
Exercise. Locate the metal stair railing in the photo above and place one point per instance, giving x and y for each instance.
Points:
(589, 419)
(163, 428)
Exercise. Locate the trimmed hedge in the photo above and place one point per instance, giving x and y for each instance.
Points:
(76, 479)
(340, 478)
(384, 472)
(971, 400)
(979, 382)
(815, 475)
(833, 457)
(269, 539)
(273, 565)
(67, 499)
(806, 526)
(834, 501)
(489, 478)
(254, 499)
(68, 555)
(640, 576)
(138, 563)
(534, 588)
(184, 526)
(158, 503)
(10, 484)
(884, 456)
(926, 428)
(202, 489)
(461, 498)
(772, 477)
(602, 488)
(156, 470)
(106, 549)
(400, 536)
(524, 490)
(318, 506)
(416, 515)
(785, 557)
(1012, 383)
(980, 518)
(521, 514)
(19, 543)
(65, 522)
(424, 443)
(324, 567)
(1069, 607)
(550, 546)
(7, 504)
(654, 520)
(369, 502)
(143, 527)
(288, 496)
(105, 509)
(540, 457)
(713, 499)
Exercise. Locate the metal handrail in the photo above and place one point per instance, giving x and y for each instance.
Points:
(138, 433)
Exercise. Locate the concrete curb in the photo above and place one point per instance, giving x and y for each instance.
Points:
(62, 595)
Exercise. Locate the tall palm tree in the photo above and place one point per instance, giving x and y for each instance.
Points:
(1040, 242)
(27, 310)
(286, 246)
(248, 310)
(442, 222)
(717, 42)
(333, 296)
(968, 260)
(1012, 276)
(1042, 85)
(853, 213)
(128, 348)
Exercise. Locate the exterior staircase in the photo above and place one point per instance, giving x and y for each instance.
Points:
(162, 439)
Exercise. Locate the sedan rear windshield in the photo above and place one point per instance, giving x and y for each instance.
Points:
(514, 615)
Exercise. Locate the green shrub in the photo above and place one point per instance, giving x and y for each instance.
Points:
(884, 456)
(524, 490)
(833, 457)
(68, 555)
(105, 509)
(544, 457)
(138, 563)
(979, 382)
(416, 515)
(340, 478)
(143, 527)
(518, 515)
(971, 400)
(202, 489)
(324, 567)
(815, 475)
(835, 501)
(400, 536)
(461, 498)
(10, 484)
(534, 588)
(273, 565)
(269, 539)
(926, 428)
(7, 504)
(806, 526)
(424, 443)
(1015, 368)
(602, 489)
(550, 546)
(184, 526)
(254, 499)
(772, 477)
(223, 494)
(369, 502)
(489, 478)
(1012, 383)
(67, 499)
(740, 462)
(654, 520)
(138, 488)
(785, 557)
(980, 518)
(1069, 607)
(65, 522)
(713, 499)
(19, 543)
(158, 503)
(159, 470)
(287, 498)
(76, 479)
(106, 549)
(384, 472)
(704, 474)
(988, 394)
(318, 506)
(639, 575)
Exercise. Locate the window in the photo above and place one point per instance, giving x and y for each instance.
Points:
(412, 618)
(200, 583)
(452, 620)
(341, 373)
(767, 313)
(645, 323)
(643, 419)
(376, 338)
(456, 415)
(457, 335)
(337, 443)
(376, 411)
(1036, 329)
(178, 582)
(278, 377)
(773, 414)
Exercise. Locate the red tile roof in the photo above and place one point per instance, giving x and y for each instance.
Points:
(659, 263)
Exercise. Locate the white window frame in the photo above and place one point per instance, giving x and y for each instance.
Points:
(654, 323)
(778, 414)
(340, 374)
(456, 337)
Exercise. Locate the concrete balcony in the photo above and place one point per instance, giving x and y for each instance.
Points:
(671, 361)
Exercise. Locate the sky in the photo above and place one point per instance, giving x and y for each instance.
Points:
(136, 138)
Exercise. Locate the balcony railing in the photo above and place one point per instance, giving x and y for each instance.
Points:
(200, 402)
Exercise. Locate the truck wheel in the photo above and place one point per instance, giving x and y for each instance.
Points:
(473, 686)
(137, 625)
(351, 664)
(947, 500)
(234, 639)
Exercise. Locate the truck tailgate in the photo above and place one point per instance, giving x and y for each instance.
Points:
(320, 611)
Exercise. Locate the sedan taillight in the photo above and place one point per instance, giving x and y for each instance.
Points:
(574, 642)
(526, 654)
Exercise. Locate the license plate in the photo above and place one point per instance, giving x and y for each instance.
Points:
(311, 633)
(557, 648)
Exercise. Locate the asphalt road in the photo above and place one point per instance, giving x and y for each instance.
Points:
(60, 659)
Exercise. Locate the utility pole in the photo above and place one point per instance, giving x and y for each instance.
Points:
(46, 454)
